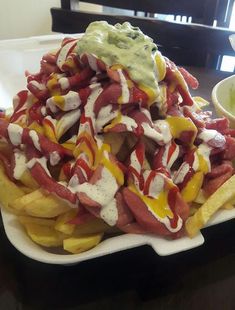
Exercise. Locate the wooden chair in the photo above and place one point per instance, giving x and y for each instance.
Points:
(186, 44)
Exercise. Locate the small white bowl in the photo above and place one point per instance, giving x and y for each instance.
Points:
(223, 97)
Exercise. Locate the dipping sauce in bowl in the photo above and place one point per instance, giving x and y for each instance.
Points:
(223, 97)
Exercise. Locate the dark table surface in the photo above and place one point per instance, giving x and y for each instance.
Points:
(202, 278)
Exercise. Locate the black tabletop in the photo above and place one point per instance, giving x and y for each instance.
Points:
(202, 278)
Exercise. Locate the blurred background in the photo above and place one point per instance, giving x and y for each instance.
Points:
(25, 18)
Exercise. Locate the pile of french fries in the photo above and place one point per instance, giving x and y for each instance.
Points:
(45, 217)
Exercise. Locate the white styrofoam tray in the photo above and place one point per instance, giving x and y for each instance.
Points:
(19, 55)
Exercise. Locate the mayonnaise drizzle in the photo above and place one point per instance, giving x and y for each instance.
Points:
(102, 192)
(89, 107)
(205, 151)
(66, 122)
(20, 164)
(54, 158)
(164, 129)
(181, 173)
(208, 134)
(105, 115)
(64, 83)
(64, 53)
(15, 134)
(156, 186)
(125, 89)
(92, 60)
(173, 157)
(35, 139)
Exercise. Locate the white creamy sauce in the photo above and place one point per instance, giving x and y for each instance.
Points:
(164, 129)
(89, 107)
(64, 83)
(35, 139)
(44, 111)
(54, 158)
(181, 173)
(15, 134)
(109, 213)
(125, 89)
(208, 134)
(105, 115)
(152, 133)
(103, 192)
(66, 122)
(168, 163)
(92, 62)
(135, 162)
(173, 157)
(71, 102)
(73, 184)
(50, 103)
(129, 122)
(195, 165)
(146, 113)
(205, 151)
(20, 164)
(37, 85)
(64, 53)
(41, 161)
(156, 186)
(179, 225)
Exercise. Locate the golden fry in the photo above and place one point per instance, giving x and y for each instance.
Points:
(9, 191)
(81, 243)
(20, 203)
(224, 194)
(47, 207)
(27, 180)
(25, 219)
(62, 224)
(44, 235)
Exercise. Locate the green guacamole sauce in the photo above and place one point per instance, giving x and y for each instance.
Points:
(126, 45)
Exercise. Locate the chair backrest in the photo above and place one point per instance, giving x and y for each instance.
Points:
(201, 11)
(185, 44)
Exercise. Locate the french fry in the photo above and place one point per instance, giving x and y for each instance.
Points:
(27, 180)
(44, 235)
(223, 194)
(25, 219)
(62, 224)
(25, 189)
(20, 203)
(81, 243)
(8, 190)
(47, 207)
